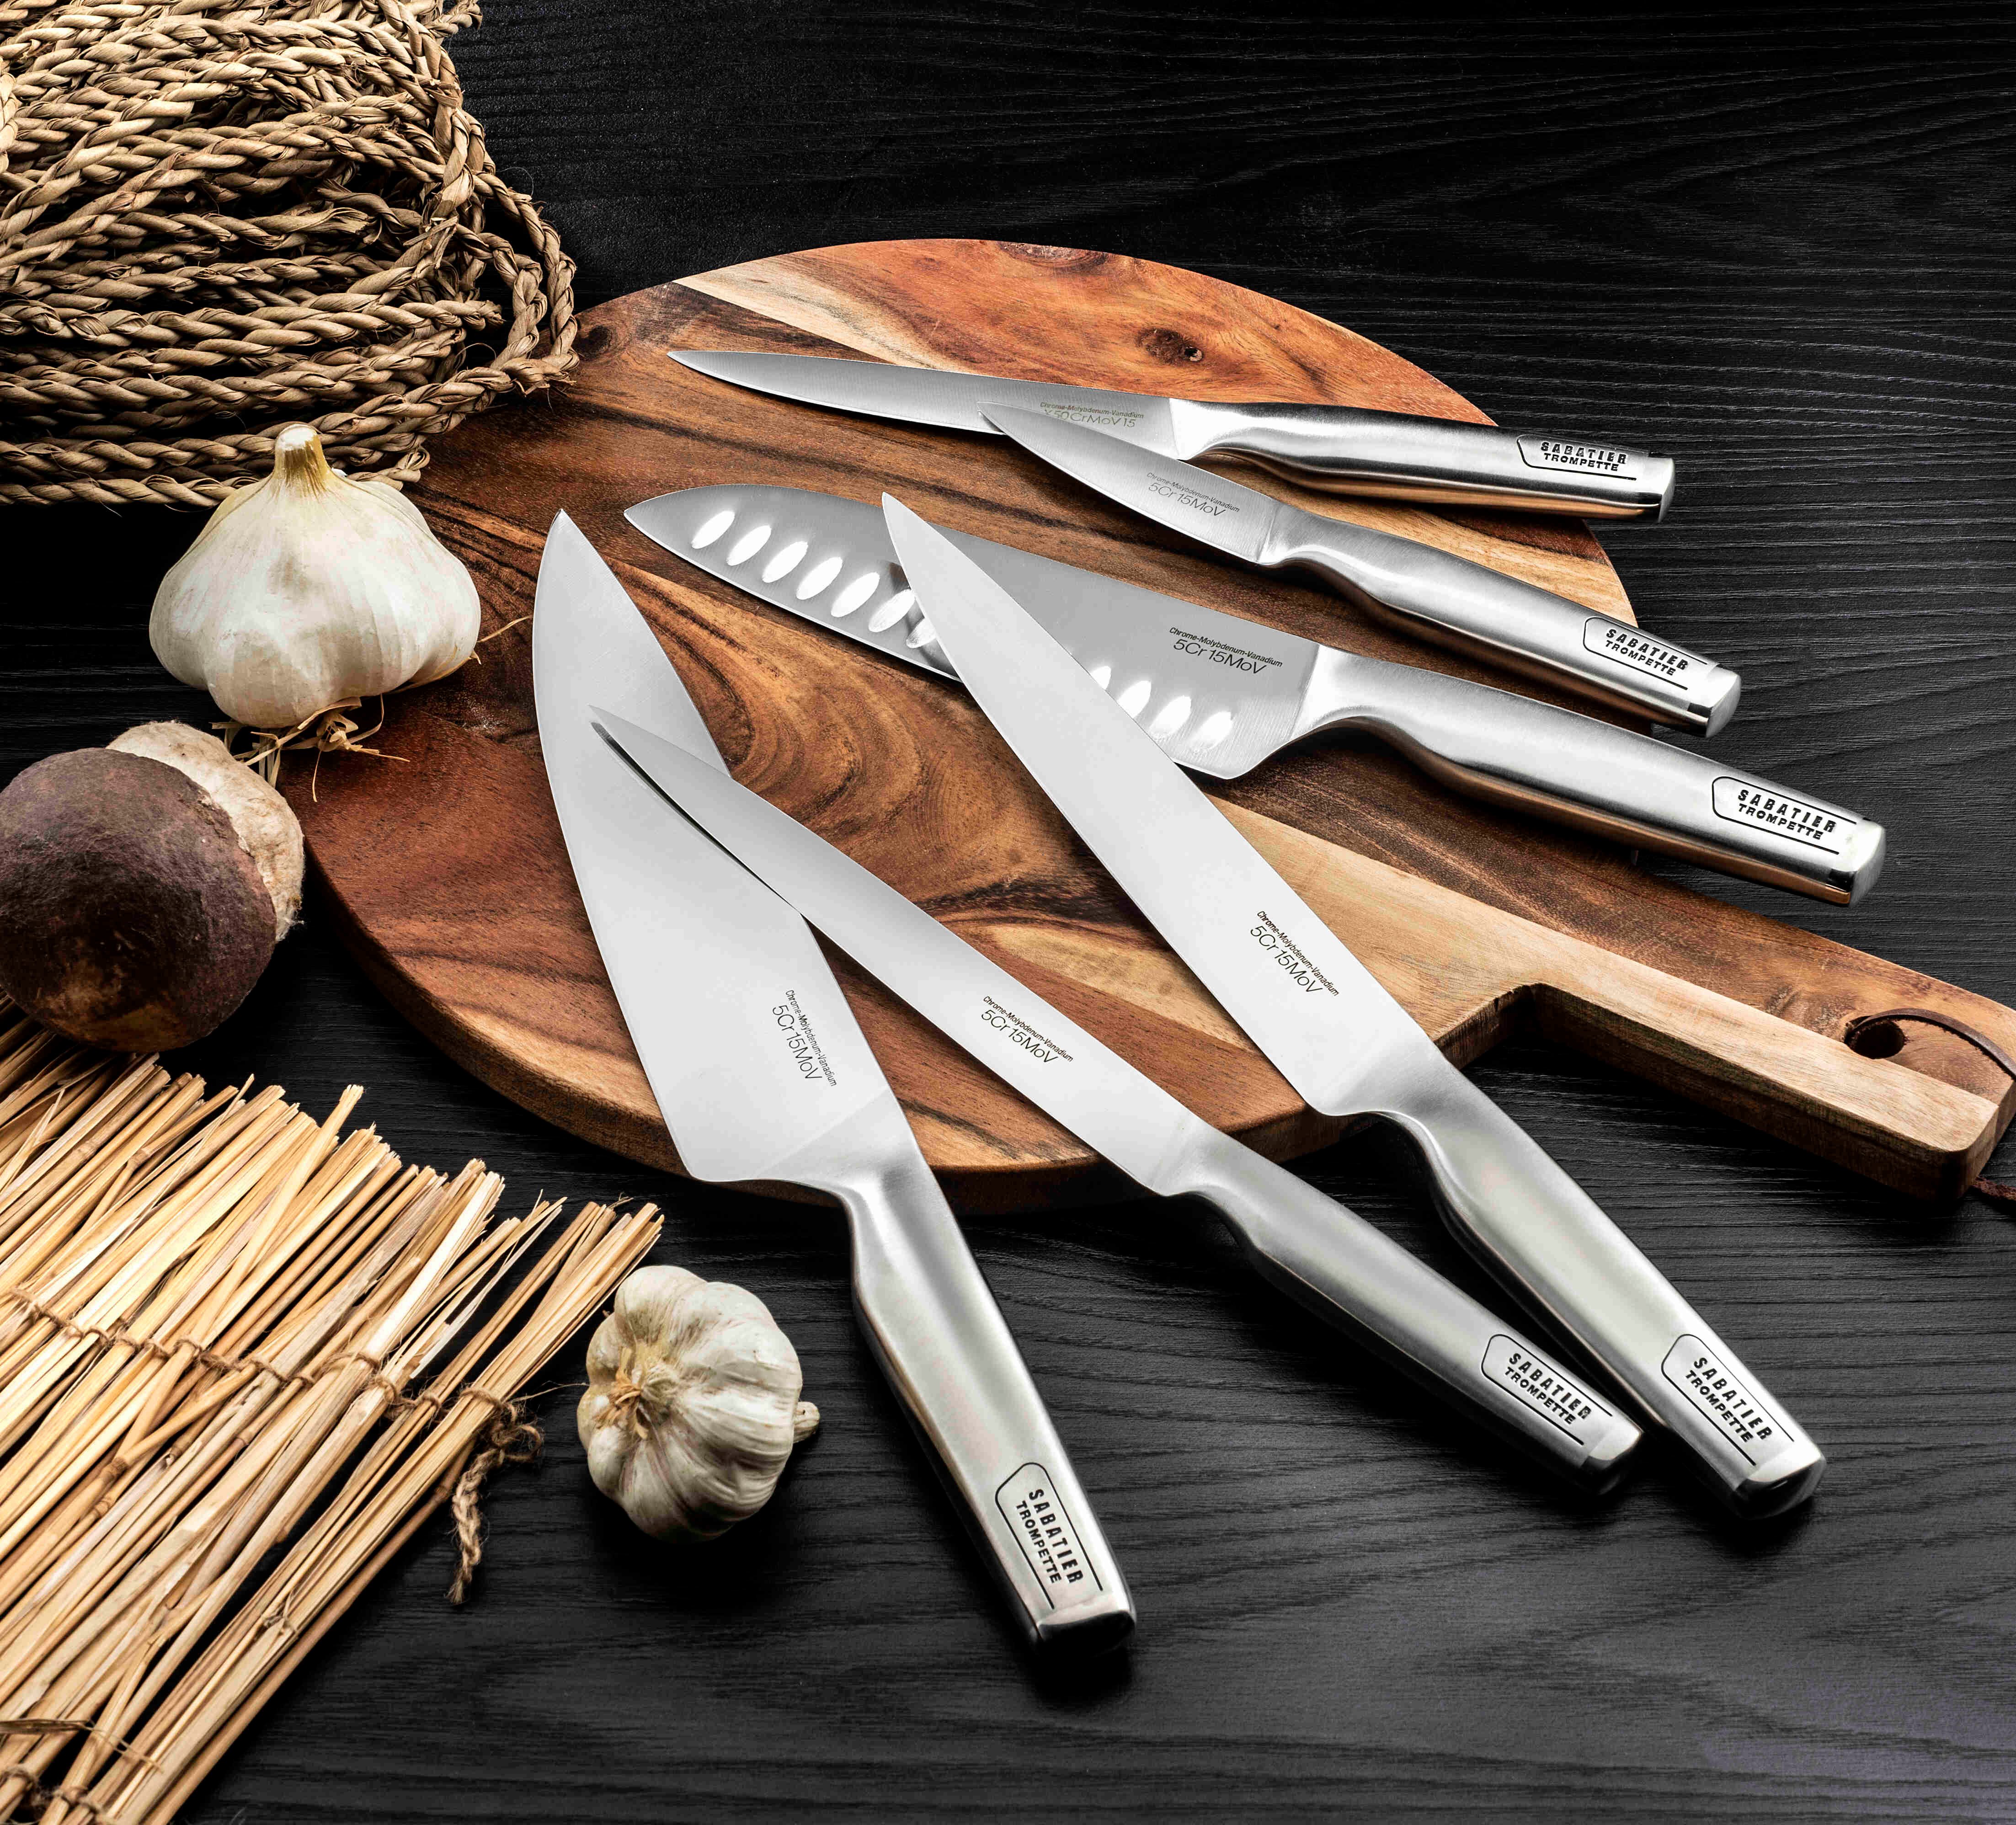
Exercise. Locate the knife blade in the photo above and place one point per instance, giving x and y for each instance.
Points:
(1317, 1252)
(762, 1074)
(1343, 448)
(1220, 694)
(1337, 1035)
(1432, 593)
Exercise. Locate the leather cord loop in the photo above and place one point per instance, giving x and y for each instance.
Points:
(1876, 1036)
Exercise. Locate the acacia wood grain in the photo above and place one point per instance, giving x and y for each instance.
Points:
(450, 882)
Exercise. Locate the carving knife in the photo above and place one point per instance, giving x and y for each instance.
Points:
(762, 1075)
(1432, 593)
(1335, 447)
(1347, 1046)
(1220, 694)
(1327, 1257)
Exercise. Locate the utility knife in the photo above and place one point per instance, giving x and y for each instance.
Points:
(1338, 447)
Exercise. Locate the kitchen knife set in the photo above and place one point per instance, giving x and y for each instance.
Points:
(1221, 693)
(1105, 693)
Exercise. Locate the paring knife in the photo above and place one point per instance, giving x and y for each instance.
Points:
(1220, 694)
(1431, 592)
(1338, 447)
(761, 1074)
(1326, 1256)
(1347, 1046)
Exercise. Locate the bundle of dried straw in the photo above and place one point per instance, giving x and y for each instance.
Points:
(225, 1326)
(218, 216)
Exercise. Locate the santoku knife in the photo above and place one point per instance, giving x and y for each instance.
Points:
(1331, 1259)
(1220, 693)
(1337, 1035)
(762, 1075)
(1338, 446)
(1431, 592)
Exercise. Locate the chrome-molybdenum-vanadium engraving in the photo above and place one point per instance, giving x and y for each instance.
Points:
(1220, 652)
(1185, 494)
(1289, 956)
(1101, 418)
(797, 1027)
(1045, 1051)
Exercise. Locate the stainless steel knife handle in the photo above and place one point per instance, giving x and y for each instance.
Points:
(952, 1361)
(1476, 610)
(1348, 1272)
(1391, 453)
(1538, 758)
(1542, 1235)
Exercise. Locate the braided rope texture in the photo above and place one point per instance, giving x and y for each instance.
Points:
(218, 216)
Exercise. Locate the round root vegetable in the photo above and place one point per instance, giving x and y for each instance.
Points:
(135, 914)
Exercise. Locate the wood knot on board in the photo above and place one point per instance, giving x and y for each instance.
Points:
(1037, 254)
(1169, 345)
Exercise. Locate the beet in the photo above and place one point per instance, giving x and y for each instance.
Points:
(131, 916)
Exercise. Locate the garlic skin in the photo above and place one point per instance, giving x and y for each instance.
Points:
(308, 589)
(693, 1405)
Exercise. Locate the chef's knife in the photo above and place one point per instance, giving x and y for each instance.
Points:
(1342, 447)
(762, 1075)
(1431, 592)
(1347, 1046)
(1331, 1259)
(1220, 694)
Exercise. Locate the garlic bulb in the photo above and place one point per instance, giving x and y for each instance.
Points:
(693, 1405)
(307, 589)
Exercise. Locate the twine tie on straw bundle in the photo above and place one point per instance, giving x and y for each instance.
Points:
(218, 216)
(153, 1347)
(509, 1438)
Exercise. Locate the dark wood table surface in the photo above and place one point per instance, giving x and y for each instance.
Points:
(1775, 243)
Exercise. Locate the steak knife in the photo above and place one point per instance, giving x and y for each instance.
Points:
(1326, 1256)
(1347, 1046)
(761, 1074)
(1220, 694)
(1432, 593)
(1338, 447)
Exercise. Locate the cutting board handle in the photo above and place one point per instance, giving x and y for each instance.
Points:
(1465, 970)
(1878, 1117)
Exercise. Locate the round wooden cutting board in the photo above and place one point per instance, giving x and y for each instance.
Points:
(447, 876)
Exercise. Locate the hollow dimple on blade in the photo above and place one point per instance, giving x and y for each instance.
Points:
(799, 551)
